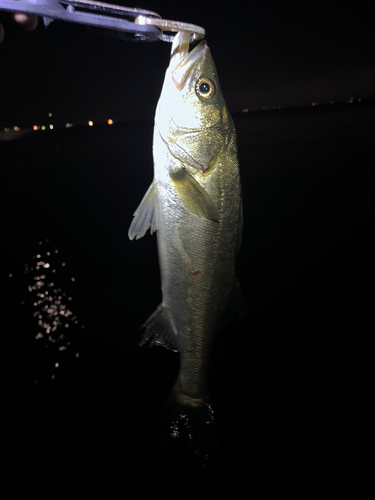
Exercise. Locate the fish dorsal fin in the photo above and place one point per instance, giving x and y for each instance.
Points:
(145, 216)
(193, 197)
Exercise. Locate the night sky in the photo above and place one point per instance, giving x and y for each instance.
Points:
(281, 53)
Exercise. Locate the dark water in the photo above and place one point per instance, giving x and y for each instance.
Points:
(79, 394)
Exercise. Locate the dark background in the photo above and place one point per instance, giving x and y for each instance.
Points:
(271, 53)
(287, 380)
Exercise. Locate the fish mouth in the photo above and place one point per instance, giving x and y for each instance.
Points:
(183, 61)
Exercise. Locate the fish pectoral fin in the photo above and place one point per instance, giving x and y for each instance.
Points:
(145, 216)
(193, 197)
(159, 331)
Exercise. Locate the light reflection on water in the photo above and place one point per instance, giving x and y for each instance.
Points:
(47, 283)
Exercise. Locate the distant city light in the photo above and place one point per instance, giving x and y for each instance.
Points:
(110, 121)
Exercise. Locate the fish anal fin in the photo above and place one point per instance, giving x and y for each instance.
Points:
(145, 216)
(158, 330)
(239, 302)
(237, 306)
(193, 197)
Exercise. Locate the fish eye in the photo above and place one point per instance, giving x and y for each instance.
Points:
(205, 88)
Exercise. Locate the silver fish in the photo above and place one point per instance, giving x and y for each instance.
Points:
(194, 203)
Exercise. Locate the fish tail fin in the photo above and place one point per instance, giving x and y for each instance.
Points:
(158, 330)
(183, 430)
(182, 435)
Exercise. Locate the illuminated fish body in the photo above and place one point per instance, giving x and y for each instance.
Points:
(194, 204)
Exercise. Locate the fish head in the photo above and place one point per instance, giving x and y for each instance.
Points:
(191, 99)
